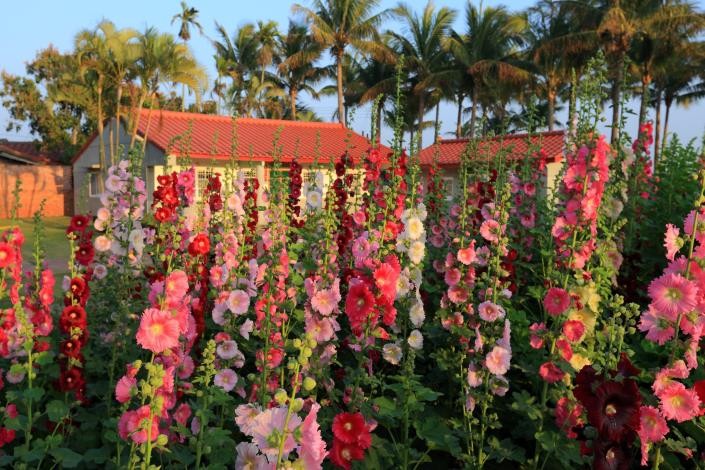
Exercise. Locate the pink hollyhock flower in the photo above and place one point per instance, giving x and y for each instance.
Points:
(249, 458)
(124, 387)
(245, 417)
(238, 302)
(652, 428)
(467, 255)
(556, 301)
(325, 301)
(664, 377)
(385, 277)
(529, 189)
(227, 349)
(490, 230)
(550, 372)
(564, 349)
(536, 339)
(176, 286)
(359, 217)
(671, 241)
(246, 328)
(313, 447)
(267, 423)
(658, 329)
(182, 414)
(573, 330)
(458, 294)
(322, 329)
(136, 425)
(452, 276)
(679, 403)
(672, 294)
(568, 416)
(497, 360)
(489, 311)
(226, 379)
(158, 331)
(474, 376)
(700, 230)
(528, 220)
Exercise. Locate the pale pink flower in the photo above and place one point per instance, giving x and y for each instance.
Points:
(238, 302)
(249, 458)
(490, 230)
(266, 423)
(102, 243)
(322, 329)
(325, 301)
(474, 376)
(313, 447)
(497, 360)
(245, 417)
(226, 379)
(227, 349)
(490, 311)
(671, 242)
(246, 328)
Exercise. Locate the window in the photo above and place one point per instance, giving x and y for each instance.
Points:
(449, 187)
(202, 177)
(93, 184)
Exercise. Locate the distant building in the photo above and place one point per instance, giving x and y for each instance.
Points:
(449, 151)
(209, 141)
(42, 176)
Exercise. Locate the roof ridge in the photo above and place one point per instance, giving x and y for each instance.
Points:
(222, 117)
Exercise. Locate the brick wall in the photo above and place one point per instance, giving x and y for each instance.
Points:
(50, 182)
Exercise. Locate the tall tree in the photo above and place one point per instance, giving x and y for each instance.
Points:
(187, 18)
(236, 59)
(337, 24)
(488, 50)
(421, 43)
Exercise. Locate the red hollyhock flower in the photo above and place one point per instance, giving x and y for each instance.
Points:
(71, 379)
(351, 428)
(614, 409)
(85, 253)
(7, 255)
(77, 287)
(70, 348)
(163, 214)
(342, 454)
(699, 388)
(386, 280)
(556, 301)
(359, 303)
(550, 372)
(6, 436)
(77, 224)
(200, 245)
(73, 316)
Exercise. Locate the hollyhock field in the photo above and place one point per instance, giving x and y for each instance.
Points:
(371, 323)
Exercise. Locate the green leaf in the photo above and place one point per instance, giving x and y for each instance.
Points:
(57, 410)
(34, 394)
(506, 450)
(67, 457)
(387, 408)
(99, 456)
(437, 434)
(426, 394)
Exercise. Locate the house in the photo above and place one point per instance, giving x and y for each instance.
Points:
(449, 151)
(211, 142)
(42, 178)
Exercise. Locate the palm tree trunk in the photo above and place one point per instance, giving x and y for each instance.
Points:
(551, 107)
(292, 96)
(114, 157)
(645, 81)
(657, 132)
(616, 100)
(339, 78)
(101, 140)
(436, 129)
(459, 121)
(140, 103)
(473, 113)
(669, 103)
(422, 108)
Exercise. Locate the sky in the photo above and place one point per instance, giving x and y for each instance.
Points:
(27, 27)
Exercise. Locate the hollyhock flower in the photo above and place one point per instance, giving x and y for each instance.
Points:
(245, 417)
(416, 252)
(415, 340)
(342, 454)
(550, 372)
(489, 311)
(313, 447)
(78, 223)
(249, 458)
(124, 387)
(359, 303)
(609, 455)
(657, 329)
(176, 286)
(497, 360)
(7, 255)
(392, 353)
(200, 245)
(474, 375)
(227, 349)
(73, 316)
(385, 277)
(102, 243)
(671, 241)
(452, 276)
(664, 377)
(417, 314)
(614, 408)
(269, 422)
(490, 230)
(325, 301)
(652, 426)
(458, 294)
(84, 253)
(467, 255)
(238, 302)
(568, 416)
(672, 294)
(556, 301)
(246, 328)
(137, 426)
(158, 331)
(679, 403)
(564, 349)
(225, 379)
(574, 330)
(350, 428)
(536, 339)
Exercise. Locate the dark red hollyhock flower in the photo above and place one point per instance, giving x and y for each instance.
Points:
(71, 379)
(70, 348)
(614, 409)
(85, 253)
(215, 202)
(77, 287)
(611, 455)
(200, 245)
(350, 427)
(73, 316)
(41, 346)
(625, 368)
(78, 223)
(699, 387)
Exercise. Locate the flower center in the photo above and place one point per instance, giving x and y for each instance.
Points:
(347, 426)
(610, 409)
(673, 294)
(346, 454)
(610, 455)
(156, 329)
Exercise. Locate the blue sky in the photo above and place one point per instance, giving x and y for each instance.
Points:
(28, 27)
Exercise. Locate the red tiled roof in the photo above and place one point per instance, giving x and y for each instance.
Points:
(450, 150)
(28, 152)
(208, 136)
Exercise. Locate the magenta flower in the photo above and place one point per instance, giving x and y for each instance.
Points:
(158, 331)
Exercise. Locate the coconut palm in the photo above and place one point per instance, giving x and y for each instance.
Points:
(487, 50)
(236, 59)
(187, 18)
(421, 44)
(298, 52)
(337, 24)
(267, 36)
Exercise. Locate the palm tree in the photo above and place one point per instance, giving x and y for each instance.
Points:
(267, 36)
(298, 52)
(188, 18)
(421, 44)
(377, 81)
(337, 24)
(237, 60)
(488, 50)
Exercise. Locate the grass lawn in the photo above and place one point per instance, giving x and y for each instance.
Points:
(55, 243)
